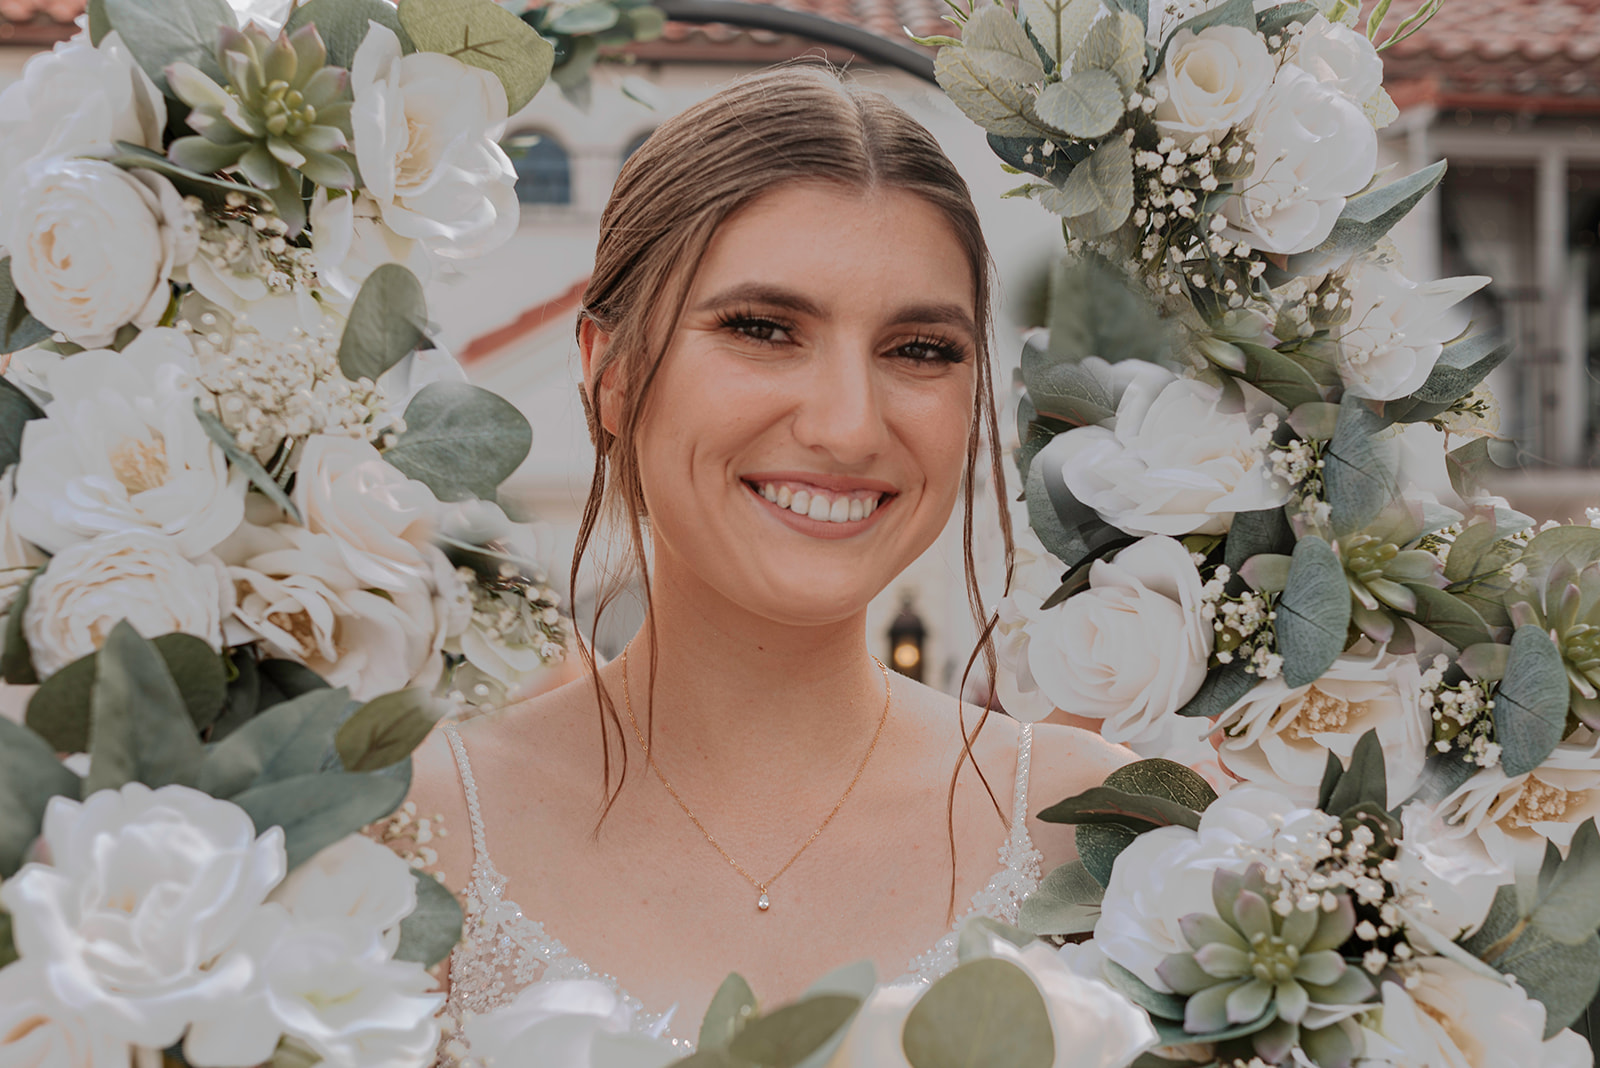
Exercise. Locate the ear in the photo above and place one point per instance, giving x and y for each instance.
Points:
(592, 344)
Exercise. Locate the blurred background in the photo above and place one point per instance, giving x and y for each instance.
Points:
(1508, 91)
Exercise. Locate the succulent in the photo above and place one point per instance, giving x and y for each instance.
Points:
(1249, 963)
(1565, 604)
(284, 113)
(1377, 572)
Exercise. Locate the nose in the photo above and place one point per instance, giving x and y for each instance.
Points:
(840, 407)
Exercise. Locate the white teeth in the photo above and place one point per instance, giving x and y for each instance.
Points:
(784, 497)
(840, 512)
(770, 492)
(801, 504)
(819, 506)
(858, 509)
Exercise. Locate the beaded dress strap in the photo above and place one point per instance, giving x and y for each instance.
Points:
(1019, 805)
(469, 787)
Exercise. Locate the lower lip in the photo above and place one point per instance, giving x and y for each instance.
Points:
(818, 528)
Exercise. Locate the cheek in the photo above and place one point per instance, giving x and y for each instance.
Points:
(935, 426)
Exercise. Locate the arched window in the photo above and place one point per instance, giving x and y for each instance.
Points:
(544, 172)
(633, 146)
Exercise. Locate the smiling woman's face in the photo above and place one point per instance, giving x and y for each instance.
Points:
(805, 436)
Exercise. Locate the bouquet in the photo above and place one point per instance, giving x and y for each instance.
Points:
(221, 412)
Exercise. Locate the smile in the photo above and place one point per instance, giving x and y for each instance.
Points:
(818, 504)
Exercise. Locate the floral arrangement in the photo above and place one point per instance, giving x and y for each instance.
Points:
(221, 413)
(1252, 452)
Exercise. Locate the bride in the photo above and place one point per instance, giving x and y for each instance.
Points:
(785, 356)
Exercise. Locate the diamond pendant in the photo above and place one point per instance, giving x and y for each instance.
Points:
(763, 902)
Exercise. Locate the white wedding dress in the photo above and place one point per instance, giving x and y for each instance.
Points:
(503, 951)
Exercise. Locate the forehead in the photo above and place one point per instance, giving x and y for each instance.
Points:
(842, 247)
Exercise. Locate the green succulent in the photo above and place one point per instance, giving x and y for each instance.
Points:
(1247, 963)
(1565, 604)
(284, 114)
(1377, 572)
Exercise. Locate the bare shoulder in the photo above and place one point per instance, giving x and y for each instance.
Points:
(1066, 761)
(437, 793)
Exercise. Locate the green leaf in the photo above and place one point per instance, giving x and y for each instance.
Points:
(1087, 104)
(996, 41)
(1364, 781)
(1274, 20)
(1368, 217)
(1000, 105)
(1564, 978)
(1097, 196)
(784, 1038)
(99, 25)
(388, 320)
(1066, 903)
(284, 680)
(1359, 467)
(1069, 528)
(287, 741)
(16, 659)
(1099, 845)
(731, 1006)
(976, 937)
(1253, 533)
(461, 441)
(386, 730)
(1065, 390)
(208, 188)
(1468, 464)
(1171, 1033)
(247, 463)
(1059, 25)
(433, 928)
(857, 979)
(1313, 613)
(1577, 546)
(244, 694)
(1139, 812)
(985, 1012)
(182, 31)
(30, 775)
(343, 25)
(1530, 704)
(18, 329)
(1503, 917)
(316, 811)
(1093, 312)
(16, 411)
(139, 726)
(1278, 375)
(1470, 553)
(1166, 1006)
(482, 34)
(1462, 366)
(1224, 687)
(1569, 911)
(1115, 44)
(1448, 616)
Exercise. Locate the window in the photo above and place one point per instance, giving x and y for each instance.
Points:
(544, 171)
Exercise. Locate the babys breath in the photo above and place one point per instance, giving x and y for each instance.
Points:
(245, 247)
(1462, 715)
(518, 611)
(1243, 625)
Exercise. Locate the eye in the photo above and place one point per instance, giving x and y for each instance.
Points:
(930, 350)
(756, 328)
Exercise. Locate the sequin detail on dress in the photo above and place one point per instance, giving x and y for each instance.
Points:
(502, 951)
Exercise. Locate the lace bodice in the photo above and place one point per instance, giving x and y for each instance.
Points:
(502, 950)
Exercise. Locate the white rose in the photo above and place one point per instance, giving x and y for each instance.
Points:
(77, 100)
(1091, 655)
(1338, 56)
(381, 519)
(1397, 330)
(1314, 149)
(1455, 878)
(1455, 1016)
(120, 449)
(350, 240)
(38, 1031)
(874, 1037)
(87, 589)
(558, 1025)
(145, 893)
(354, 879)
(1035, 577)
(299, 597)
(1174, 461)
(1280, 736)
(1213, 80)
(93, 246)
(426, 132)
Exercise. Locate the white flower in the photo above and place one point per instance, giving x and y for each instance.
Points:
(1313, 150)
(1213, 81)
(351, 240)
(402, 382)
(93, 246)
(1036, 576)
(296, 593)
(382, 520)
(426, 132)
(38, 1031)
(120, 449)
(77, 100)
(1339, 56)
(145, 893)
(1454, 1016)
(1280, 736)
(1174, 462)
(559, 1025)
(1454, 878)
(270, 15)
(354, 879)
(88, 588)
(873, 1040)
(1397, 330)
(1091, 655)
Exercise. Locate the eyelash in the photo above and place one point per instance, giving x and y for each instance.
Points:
(941, 350)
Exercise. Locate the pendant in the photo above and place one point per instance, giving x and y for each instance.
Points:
(763, 902)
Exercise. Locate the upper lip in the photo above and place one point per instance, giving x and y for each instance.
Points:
(832, 483)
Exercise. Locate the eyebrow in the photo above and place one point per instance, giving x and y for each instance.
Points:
(779, 297)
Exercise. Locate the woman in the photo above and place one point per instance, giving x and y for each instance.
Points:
(784, 349)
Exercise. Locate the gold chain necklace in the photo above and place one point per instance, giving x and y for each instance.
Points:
(763, 902)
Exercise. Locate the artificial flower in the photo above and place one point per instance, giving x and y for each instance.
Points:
(1397, 330)
(381, 520)
(351, 240)
(38, 1031)
(1035, 576)
(562, 1025)
(1212, 81)
(353, 879)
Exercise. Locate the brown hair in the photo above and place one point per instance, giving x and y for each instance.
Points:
(792, 123)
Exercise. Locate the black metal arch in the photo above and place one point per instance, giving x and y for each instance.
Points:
(868, 46)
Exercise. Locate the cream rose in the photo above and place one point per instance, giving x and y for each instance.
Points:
(136, 913)
(1314, 150)
(93, 246)
(38, 1031)
(1035, 576)
(1213, 80)
(427, 128)
(1173, 462)
(120, 449)
(351, 240)
(1092, 654)
(1338, 56)
(561, 1023)
(87, 589)
(1280, 736)
(381, 519)
(1397, 330)
(354, 879)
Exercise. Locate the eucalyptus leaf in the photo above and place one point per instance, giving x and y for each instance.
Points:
(986, 1012)
(388, 320)
(993, 39)
(482, 34)
(343, 25)
(245, 462)
(1504, 914)
(1462, 366)
(786, 1037)
(1172, 1033)
(30, 775)
(1066, 903)
(316, 811)
(16, 411)
(1223, 688)
(1275, 20)
(1115, 44)
(1470, 552)
(1279, 375)
(158, 36)
(1564, 978)
(1365, 781)
(386, 730)
(1028, 155)
(585, 18)
(461, 441)
(284, 680)
(1359, 467)
(1253, 533)
(99, 25)
(1066, 390)
(1468, 464)
(8, 946)
(16, 659)
(139, 726)
(1369, 216)
(1097, 196)
(1315, 421)
(1059, 25)
(1313, 613)
(1157, 1004)
(1577, 546)
(287, 741)
(858, 980)
(1093, 312)
(1530, 704)
(1139, 812)
(731, 1006)
(432, 929)
(1001, 106)
(18, 329)
(1448, 616)
(1086, 104)
(1099, 845)
(244, 694)
(1569, 910)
